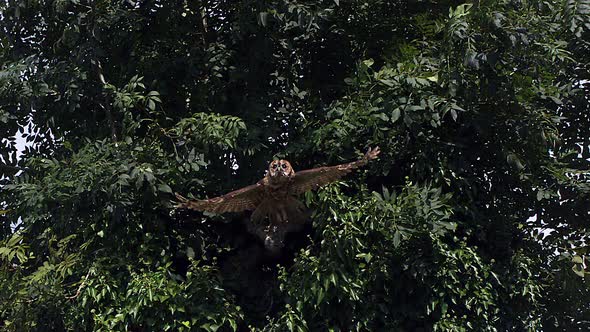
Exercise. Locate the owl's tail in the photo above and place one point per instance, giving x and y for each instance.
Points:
(285, 216)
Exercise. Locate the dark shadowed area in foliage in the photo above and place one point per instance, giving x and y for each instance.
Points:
(481, 111)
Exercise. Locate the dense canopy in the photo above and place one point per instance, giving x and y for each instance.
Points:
(476, 216)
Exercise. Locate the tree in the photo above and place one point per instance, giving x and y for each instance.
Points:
(474, 218)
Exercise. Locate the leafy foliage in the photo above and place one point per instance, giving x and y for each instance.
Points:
(474, 218)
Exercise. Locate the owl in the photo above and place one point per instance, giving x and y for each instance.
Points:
(276, 210)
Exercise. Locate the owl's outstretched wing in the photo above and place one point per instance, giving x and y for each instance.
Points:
(311, 179)
(243, 199)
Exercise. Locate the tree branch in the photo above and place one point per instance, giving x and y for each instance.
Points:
(10, 169)
(201, 11)
(111, 122)
(107, 110)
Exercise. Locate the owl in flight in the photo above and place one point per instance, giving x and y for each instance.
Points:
(276, 211)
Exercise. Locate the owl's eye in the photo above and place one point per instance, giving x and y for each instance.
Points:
(284, 166)
(274, 166)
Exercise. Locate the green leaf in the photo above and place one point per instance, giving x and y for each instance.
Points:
(453, 114)
(381, 116)
(263, 18)
(395, 114)
(433, 78)
(556, 100)
(396, 239)
(578, 270)
(368, 63)
(164, 188)
(190, 252)
(14, 239)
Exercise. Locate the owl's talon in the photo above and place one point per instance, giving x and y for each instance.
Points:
(372, 153)
(273, 245)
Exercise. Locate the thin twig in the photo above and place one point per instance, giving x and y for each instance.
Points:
(82, 284)
(107, 110)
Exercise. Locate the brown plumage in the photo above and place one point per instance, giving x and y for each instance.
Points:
(274, 197)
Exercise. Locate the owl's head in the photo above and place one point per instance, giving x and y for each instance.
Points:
(280, 168)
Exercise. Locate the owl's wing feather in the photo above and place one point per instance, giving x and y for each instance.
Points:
(246, 198)
(316, 177)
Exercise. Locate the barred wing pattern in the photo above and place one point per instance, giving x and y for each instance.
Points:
(316, 177)
(243, 199)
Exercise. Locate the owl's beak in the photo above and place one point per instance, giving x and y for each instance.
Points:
(275, 173)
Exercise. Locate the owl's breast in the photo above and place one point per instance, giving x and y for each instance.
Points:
(278, 188)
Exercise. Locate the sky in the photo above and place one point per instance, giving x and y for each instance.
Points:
(20, 144)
